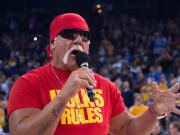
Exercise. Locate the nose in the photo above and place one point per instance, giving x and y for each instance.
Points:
(78, 40)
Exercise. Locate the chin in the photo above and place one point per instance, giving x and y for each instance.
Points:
(71, 66)
(75, 68)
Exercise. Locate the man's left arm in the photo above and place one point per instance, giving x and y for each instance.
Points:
(126, 124)
(164, 102)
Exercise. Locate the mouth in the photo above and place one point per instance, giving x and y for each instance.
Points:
(74, 52)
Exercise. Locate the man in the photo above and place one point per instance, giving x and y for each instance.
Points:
(174, 128)
(52, 99)
(138, 108)
(127, 94)
(157, 130)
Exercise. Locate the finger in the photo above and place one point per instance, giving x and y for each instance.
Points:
(174, 88)
(83, 68)
(88, 78)
(91, 75)
(87, 69)
(90, 70)
(155, 86)
(177, 96)
(178, 102)
(177, 111)
(86, 84)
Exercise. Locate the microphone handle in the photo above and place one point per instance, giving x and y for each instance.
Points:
(91, 94)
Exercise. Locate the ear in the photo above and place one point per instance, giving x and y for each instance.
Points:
(52, 48)
(88, 44)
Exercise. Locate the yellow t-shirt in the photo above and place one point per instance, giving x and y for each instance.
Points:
(146, 89)
(2, 118)
(137, 110)
(163, 86)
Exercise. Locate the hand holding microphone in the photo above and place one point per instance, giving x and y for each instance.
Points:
(82, 60)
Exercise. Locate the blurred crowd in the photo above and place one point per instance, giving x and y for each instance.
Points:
(131, 52)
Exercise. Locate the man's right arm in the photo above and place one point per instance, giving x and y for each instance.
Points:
(33, 121)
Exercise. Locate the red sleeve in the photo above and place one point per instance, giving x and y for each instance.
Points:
(118, 105)
(24, 93)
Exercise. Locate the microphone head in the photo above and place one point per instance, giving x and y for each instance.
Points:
(82, 59)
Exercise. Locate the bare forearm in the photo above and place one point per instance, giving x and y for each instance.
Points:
(141, 125)
(43, 122)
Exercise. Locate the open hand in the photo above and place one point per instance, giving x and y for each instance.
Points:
(166, 101)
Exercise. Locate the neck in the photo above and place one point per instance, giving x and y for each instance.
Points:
(57, 65)
(60, 74)
(63, 66)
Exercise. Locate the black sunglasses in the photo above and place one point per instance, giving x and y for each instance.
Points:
(73, 33)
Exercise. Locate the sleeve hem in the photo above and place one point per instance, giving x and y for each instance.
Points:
(120, 111)
(25, 106)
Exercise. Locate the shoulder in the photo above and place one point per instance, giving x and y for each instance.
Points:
(35, 73)
(26, 91)
(30, 80)
(34, 77)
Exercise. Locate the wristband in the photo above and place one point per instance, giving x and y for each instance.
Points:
(154, 114)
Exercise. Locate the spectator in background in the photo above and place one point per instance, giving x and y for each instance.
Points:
(108, 47)
(145, 65)
(4, 87)
(159, 43)
(157, 130)
(146, 91)
(151, 72)
(163, 84)
(104, 72)
(172, 79)
(158, 72)
(117, 62)
(141, 81)
(125, 70)
(174, 128)
(118, 83)
(127, 56)
(165, 60)
(127, 94)
(166, 121)
(178, 76)
(115, 73)
(135, 68)
(176, 65)
(3, 111)
(138, 108)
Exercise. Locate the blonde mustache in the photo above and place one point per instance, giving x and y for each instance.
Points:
(66, 55)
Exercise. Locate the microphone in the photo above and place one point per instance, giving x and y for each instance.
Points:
(82, 59)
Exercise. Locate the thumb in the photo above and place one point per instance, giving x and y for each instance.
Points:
(155, 86)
